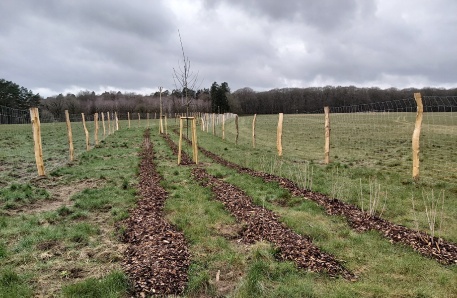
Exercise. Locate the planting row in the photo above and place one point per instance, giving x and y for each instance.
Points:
(437, 248)
(157, 258)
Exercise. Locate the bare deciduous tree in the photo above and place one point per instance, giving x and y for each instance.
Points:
(185, 78)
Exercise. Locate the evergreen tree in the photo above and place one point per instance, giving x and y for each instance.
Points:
(17, 97)
(219, 98)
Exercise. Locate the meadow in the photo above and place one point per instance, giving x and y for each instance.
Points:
(73, 247)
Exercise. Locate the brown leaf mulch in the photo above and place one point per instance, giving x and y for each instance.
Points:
(157, 258)
(443, 251)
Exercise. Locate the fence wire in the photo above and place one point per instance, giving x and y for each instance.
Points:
(375, 135)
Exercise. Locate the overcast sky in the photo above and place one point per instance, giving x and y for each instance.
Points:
(61, 46)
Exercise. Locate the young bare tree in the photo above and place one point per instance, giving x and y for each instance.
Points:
(185, 79)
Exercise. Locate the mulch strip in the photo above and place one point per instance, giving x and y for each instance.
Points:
(443, 251)
(157, 258)
(262, 224)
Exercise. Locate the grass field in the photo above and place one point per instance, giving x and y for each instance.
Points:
(60, 235)
(370, 156)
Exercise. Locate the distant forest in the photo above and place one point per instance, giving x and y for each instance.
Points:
(217, 99)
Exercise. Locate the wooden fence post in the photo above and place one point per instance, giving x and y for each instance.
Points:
(109, 123)
(147, 117)
(36, 127)
(237, 130)
(139, 118)
(70, 136)
(117, 121)
(223, 126)
(96, 128)
(180, 140)
(103, 124)
(86, 132)
(194, 141)
(214, 123)
(253, 131)
(416, 135)
(128, 117)
(279, 134)
(327, 135)
(160, 110)
(113, 126)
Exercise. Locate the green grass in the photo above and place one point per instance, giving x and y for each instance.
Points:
(13, 285)
(78, 241)
(17, 159)
(366, 149)
(113, 285)
(73, 250)
(21, 194)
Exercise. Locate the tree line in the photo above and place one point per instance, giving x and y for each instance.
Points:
(313, 99)
(216, 99)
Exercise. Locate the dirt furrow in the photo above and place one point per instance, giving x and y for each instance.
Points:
(443, 251)
(157, 258)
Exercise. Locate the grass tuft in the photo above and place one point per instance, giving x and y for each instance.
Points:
(113, 285)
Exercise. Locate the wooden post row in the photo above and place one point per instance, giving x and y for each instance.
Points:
(70, 136)
(279, 134)
(416, 135)
(36, 128)
(327, 135)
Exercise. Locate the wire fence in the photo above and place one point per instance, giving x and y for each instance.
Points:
(368, 135)
(377, 135)
(17, 158)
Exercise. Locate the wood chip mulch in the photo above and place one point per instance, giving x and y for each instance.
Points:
(262, 224)
(443, 251)
(157, 258)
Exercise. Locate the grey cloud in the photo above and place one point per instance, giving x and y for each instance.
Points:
(261, 44)
(323, 15)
